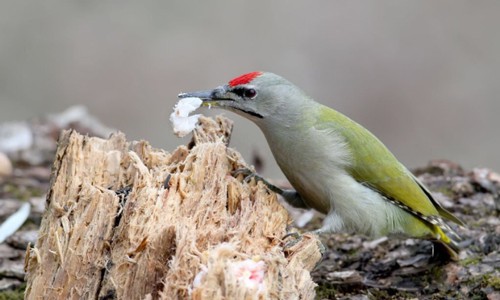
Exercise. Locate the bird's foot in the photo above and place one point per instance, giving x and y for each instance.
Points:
(249, 174)
(297, 238)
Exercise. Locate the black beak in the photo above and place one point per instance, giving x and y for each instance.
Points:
(203, 95)
(211, 95)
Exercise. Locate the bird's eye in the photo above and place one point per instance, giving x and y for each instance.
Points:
(250, 93)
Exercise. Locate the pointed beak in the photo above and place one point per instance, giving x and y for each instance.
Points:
(209, 97)
(203, 95)
(220, 97)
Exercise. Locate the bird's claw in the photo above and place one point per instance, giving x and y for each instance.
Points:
(297, 237)
(249, 174)
(241, 171)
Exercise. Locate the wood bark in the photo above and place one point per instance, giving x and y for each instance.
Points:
(126, 221)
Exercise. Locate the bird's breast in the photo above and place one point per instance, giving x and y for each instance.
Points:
(311, 161)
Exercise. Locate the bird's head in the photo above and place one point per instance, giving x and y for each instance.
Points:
(257, 96)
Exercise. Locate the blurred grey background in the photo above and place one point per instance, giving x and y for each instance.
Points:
(422, 75)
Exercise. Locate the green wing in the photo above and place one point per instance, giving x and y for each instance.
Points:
(374, 165)
(442, 211)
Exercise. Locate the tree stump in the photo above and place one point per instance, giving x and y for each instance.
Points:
(126, 221)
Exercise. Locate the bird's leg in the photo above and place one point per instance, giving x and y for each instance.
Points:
(294, 199)
(291, 196)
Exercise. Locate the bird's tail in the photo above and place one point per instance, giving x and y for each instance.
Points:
(449, 239)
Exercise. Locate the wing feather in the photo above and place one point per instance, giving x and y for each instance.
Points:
(373, 164)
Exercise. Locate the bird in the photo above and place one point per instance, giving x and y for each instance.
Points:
(335, 165)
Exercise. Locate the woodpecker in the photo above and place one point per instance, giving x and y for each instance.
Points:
(334, 164)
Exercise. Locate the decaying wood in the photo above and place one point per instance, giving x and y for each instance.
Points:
(126, 221)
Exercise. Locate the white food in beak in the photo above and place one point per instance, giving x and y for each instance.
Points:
(182, 122)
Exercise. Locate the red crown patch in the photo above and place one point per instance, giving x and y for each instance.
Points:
(244, 79)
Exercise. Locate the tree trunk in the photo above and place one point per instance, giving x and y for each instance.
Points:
(126, 221)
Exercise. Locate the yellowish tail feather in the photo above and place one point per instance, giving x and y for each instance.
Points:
(450, 244)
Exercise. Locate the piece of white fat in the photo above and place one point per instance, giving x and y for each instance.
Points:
(182, 122)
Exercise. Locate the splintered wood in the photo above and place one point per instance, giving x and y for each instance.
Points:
(126, 221)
